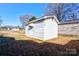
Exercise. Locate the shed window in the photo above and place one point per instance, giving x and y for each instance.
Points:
(30, 27)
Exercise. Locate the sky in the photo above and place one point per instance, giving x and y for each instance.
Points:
(10, 12)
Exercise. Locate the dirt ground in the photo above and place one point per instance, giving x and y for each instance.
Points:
(19, 35)
(16, 43)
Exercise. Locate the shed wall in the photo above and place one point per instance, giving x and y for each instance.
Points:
(46, 29)
(50, 29)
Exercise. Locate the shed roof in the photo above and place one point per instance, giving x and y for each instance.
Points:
(44, 18)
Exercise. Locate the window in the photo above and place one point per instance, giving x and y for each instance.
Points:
(30, 27)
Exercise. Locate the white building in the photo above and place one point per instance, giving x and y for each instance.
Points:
(43, 28)
(15, 29)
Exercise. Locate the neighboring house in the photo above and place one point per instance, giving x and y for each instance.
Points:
(15, 29)
(43, 28)
(12, 28)
(70, 27)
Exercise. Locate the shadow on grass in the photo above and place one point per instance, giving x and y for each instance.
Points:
(11, 47)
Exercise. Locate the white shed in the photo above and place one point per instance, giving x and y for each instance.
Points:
(43, 28)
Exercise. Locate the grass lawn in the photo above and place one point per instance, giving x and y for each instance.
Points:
(16, 43)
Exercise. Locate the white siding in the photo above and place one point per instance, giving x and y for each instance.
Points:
(46, 29)
(50, 29)
(37, 30)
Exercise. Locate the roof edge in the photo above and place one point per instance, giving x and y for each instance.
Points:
(44, 17)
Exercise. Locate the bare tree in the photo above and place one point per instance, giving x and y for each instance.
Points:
(73, 16)
(60, 10)
(25, 19)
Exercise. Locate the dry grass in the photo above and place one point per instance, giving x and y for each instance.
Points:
(20, 44)
(19, 35)
(63, 39)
